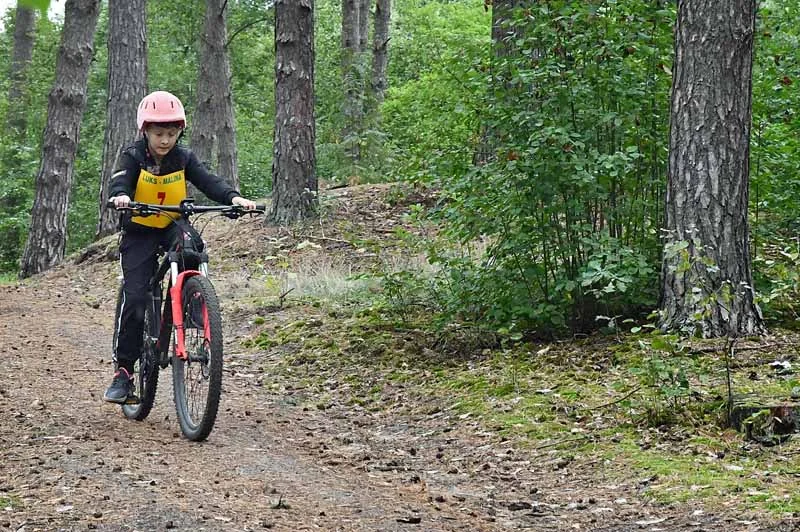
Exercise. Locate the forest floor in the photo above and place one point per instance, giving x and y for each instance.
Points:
(322, 426)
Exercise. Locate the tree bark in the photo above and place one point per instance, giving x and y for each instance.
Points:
(48, 231)
(380, 49)
(363, 26)
(24, 33)
(504, 33)
(213, 130)
(203, 127)
(706, 271)
(127, 85)
(294, 181)
(227, 156)
(352, 78)
(204, 120)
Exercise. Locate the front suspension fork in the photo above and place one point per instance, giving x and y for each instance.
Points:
(176, 296)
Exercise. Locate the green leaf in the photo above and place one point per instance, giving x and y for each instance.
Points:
(661, 344)
(41, 5)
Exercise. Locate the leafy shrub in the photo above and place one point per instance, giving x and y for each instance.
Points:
(560, 222)
(671, 378)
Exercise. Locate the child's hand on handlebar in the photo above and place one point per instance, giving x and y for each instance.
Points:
(245, 203)
(121, 201)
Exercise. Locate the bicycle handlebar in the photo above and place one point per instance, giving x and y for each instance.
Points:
(187, 208)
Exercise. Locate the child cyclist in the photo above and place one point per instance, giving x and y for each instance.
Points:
(154, 170)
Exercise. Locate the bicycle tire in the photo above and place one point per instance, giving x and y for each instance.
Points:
(197, 381)
(145, 369)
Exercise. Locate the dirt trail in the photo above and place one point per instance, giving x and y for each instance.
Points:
(69, 461)
(74, 462)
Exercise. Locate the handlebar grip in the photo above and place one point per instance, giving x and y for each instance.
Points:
(131, 205)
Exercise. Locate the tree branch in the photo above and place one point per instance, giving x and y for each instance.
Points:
(253, 23)
(636, 389)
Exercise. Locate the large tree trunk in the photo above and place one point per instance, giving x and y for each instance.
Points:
(48, 231)
(213, 126)
(204, 121)
(352, 79)
(706, 273)
(363, 26)
(227, 157)
(294, 181)
(24, 31)
(380, 49)
(127, 85)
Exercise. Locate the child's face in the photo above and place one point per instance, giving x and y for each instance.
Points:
(161, 139)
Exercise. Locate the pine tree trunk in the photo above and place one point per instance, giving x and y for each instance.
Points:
(24, 32)
(127, 85)
(294, 181)
(706, 272)
(204, 120)
(48, 230)
(227, 156)
(352, 78)
(504, 32)
(363, 26)
(380, 49)
(213, 125)
(12, 202)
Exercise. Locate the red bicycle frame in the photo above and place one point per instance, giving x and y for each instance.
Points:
(178, 279)
(176, 298)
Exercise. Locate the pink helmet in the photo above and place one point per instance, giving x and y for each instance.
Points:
(160, 106)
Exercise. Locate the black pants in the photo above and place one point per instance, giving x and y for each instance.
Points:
(137, 251)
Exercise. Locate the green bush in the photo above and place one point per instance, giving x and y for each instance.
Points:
(560, 224)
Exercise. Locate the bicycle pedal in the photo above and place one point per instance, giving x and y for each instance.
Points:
(132, 400)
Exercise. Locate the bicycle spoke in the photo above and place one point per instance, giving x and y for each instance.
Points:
(198, 377)
(145, 372)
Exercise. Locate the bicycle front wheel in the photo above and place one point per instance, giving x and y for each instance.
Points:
(197, 381)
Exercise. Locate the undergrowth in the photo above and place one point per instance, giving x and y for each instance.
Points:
(631, 404)
(649, 407)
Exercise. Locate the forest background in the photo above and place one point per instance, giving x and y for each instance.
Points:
(536, 166)
(559, 231)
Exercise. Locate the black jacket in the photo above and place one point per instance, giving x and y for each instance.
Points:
(137, 157)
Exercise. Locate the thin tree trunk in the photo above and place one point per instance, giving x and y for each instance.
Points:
(12, 200)
(380, 50)
(48, 231)
(24, 33)
(294, 181)
(504, 32)
(706, 272)
(127, 85)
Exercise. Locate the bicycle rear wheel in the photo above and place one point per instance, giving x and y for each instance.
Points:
(145, 369)
(197, 381)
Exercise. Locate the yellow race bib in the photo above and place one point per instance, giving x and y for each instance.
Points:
(167, 189)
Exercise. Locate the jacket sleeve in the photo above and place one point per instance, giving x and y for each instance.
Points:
(213, 186)
(125, 176)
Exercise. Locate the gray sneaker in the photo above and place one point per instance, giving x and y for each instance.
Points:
(120, 387)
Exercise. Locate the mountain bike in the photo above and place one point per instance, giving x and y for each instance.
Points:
(182, 323)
